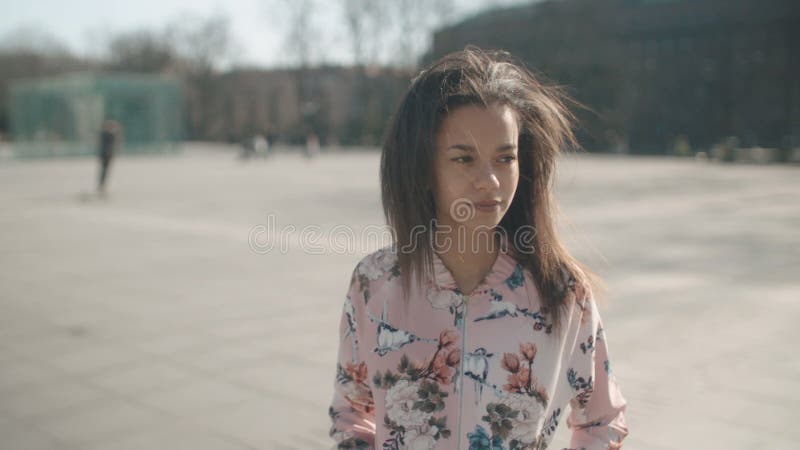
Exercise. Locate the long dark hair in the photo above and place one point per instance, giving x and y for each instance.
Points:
(477, 77)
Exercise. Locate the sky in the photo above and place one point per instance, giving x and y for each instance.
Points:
(84, 26)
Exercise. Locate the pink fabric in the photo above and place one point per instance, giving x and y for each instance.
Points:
(485, 371)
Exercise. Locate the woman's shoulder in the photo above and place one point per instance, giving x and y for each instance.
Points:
(375, 269)
(378, 263)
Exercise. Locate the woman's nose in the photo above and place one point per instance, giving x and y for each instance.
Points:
(486, 178)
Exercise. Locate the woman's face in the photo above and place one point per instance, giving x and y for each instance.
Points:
(476, 166)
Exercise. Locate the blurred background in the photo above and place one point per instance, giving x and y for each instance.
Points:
(659, 77)
(192, 298)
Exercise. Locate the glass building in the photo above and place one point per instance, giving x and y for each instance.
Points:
(62, 115)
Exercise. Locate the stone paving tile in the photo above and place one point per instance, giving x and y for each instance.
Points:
(16, 372)
(104, 420)
(303, 386)
(42, 346)
(47, 398)
(219, 358)
(168, 343)
(15, 435)
(272, 424)
(175, 436)
(93, 358)
(196, 396)
(140, 377)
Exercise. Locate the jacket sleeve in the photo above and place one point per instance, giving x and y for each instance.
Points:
(597, 417)
(352, 410)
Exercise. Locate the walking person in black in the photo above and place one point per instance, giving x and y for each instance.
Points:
(109, 141)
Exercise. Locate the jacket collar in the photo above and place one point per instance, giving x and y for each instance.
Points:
(502, 268)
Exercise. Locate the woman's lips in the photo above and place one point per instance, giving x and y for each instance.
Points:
(487, 206)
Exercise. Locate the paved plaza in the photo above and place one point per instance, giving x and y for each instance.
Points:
(158, 318)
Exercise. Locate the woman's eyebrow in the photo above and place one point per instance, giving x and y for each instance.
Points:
(471, 148)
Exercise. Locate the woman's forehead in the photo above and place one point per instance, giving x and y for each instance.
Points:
(473, 125)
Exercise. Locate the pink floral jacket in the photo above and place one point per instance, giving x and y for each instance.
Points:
(480, 371)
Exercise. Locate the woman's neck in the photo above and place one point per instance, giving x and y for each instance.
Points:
(468, 261)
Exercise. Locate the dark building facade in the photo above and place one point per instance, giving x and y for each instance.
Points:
(654, 71)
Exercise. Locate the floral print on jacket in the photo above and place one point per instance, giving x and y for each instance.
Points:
(484, 371)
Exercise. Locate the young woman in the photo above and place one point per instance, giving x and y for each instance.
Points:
(476, 328)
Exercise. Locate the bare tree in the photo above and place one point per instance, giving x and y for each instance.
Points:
(141, 51)
(394, 32)
(190, 47)
(416, 20)
(33, 40)
(302, 34)
(203, 42)
(363, 19)
(203, 45)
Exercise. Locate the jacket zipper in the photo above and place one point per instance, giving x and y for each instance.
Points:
(465, 299)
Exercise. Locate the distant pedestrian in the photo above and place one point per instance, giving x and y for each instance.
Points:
(312, 145)
(260, 145)
(247, 149)
(110, 137)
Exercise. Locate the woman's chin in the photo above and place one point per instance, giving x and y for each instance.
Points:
(487, 222)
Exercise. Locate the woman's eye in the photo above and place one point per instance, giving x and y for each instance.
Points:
(508, 158)
(464, 159)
